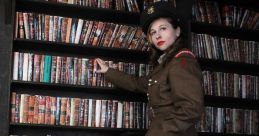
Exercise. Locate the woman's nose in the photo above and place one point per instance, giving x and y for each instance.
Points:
(158, 35)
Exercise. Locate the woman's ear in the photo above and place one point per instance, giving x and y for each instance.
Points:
(178, 31)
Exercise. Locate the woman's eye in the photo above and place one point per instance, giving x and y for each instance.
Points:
(152, 33)
(163, 28)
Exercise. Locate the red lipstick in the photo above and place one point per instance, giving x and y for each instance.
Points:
(160, 43)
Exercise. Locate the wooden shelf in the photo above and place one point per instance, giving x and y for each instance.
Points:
(228, 66)
(68, 49)
(225, 31)
(230, 102)
(74, 130)
(54, 130)
(79, 91)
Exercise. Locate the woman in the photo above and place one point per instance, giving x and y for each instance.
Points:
(174, 87)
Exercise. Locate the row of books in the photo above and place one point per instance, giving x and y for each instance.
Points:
(88, 3)
(220, 48)
(50, 110)
(127, 5)
(68, 70)
(123, 5)
(78, 31)
(146, 3)
(226, 120)
(206, 11)
(231, 85)
(81, 71)
(228, 15)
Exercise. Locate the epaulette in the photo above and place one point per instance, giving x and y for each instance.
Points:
(184, 52)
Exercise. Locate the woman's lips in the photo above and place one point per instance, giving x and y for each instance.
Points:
(160, 43)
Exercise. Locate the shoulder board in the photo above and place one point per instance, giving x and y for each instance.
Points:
(184, 52)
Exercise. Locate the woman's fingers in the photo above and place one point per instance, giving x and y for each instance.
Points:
(102, 64)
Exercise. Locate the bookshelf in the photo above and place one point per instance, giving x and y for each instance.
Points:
(74, 11)
(73, 49)
(85, 92)
(222, 106)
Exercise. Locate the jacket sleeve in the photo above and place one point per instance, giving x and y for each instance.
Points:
(185, 80)
(126, 81)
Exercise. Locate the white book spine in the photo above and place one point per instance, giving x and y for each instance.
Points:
(25, 67)
(90, 113)
(15, 65)
(98, 113)
(72, 109)
(79, 30)
(119, 115)
(51, 27)
(21, 109)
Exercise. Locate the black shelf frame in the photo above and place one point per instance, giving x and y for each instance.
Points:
(5, 64)
(48, 129)
(231, 102)
(57, 130)
(225, 31)
(68, 49)
(77, 91)
(229, 66)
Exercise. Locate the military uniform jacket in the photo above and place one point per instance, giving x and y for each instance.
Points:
(174, 94)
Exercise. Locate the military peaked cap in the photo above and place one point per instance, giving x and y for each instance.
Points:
(180, 14)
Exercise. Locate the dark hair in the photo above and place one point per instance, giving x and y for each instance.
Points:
(179, 44)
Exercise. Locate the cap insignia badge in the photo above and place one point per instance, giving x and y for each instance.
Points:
(151, 10)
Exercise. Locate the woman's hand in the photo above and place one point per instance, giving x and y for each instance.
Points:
(103, 66)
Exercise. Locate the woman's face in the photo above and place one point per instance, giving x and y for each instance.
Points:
(162, 34)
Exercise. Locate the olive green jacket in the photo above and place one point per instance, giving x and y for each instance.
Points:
(174, 92)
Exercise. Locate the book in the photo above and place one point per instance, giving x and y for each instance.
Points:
(88, 32)
(13, 107)
(53, 110)
(63, 111)
(47, 68)
(25, 67)
(98, 33)
(47, 110)
(79, 30)
(68, 29)
(31, 104)
(15, 65)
